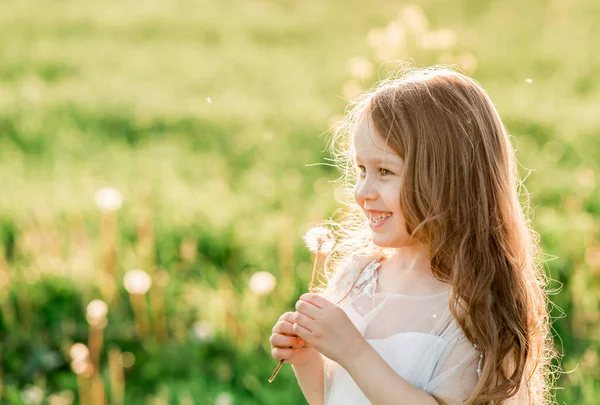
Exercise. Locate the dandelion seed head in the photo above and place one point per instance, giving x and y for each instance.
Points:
(262, 283)
(319, 239)
(79, 351)
(96, 310)
(108, 199)
(137, 281)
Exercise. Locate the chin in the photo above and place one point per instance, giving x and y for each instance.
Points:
(384, 243)
(388, 242)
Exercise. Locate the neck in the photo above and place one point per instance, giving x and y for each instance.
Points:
(413, 258)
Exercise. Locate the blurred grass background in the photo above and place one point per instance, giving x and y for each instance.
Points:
(203, 116)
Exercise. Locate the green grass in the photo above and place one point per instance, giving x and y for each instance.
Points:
(98, 93)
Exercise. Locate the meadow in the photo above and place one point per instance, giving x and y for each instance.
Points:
(161, 160)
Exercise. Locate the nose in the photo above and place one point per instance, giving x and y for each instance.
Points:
(365, 189)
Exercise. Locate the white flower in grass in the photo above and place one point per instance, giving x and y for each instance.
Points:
(224, 398)
(319, 239)
(262, 282)
(137, 281)
(108, 199)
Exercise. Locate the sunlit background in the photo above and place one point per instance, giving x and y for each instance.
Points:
(157, 172)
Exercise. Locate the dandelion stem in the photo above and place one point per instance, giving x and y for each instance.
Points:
(316, 239)
(311, 286)
(276, 371)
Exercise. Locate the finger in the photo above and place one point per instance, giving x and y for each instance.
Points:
(302, 332)
(307, 309)
(279, 353)
(285, 328)
(303, 320)
(288, 316)
(316, 300)
(284, 341)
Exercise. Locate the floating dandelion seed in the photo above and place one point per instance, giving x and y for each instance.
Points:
(529, 81)
(209, 99)
(262, 282)
(108, 199)
(319, 240)
(137, 281)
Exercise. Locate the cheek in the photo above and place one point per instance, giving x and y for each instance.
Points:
(391, 196)
(355, 193)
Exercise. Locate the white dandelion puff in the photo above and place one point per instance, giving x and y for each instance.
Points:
(137, 281)
(108, 199)
(262, 282)
(96, 311)
(319, 240)
(79, 351)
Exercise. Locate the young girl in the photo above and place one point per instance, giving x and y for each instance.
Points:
(435, 292)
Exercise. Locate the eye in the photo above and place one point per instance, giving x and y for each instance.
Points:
(384, 172)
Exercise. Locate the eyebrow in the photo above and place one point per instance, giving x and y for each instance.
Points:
(379, 160)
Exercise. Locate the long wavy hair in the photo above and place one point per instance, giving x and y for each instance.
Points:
(460, 196)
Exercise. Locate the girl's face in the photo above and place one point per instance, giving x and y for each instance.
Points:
(377, 190)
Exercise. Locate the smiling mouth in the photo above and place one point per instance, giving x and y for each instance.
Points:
(378, 218)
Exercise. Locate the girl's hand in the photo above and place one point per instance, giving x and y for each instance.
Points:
(326, 327)
(285, 345)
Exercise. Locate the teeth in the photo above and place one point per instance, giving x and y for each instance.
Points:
(380, 217)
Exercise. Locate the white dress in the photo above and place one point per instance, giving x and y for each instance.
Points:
(415, 334)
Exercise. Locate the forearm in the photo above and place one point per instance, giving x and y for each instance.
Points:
(310, 378)
(380, 383)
